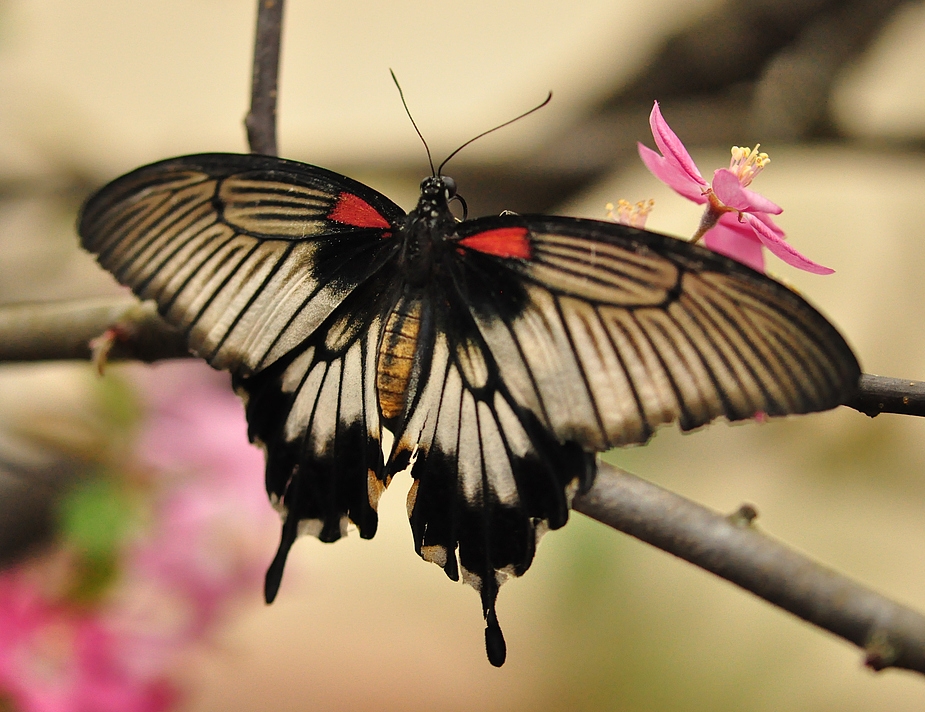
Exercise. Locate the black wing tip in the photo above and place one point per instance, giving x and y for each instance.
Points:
(271, 584)
(275, 572)
(495, 646)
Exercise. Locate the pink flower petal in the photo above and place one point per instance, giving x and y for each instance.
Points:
(769, 224)
(729, 190)
(744, 223)
(780, 248)
(672, 148)
(670, 175)
(736, 241)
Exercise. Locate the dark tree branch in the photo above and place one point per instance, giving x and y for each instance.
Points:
(890, 634)
(261, 119)
(881, 394)
(61, 330)
(54, 331)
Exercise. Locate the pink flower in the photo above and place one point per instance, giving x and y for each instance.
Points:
(212, 527)
(195, 544)
(737, 221)
(57, 657)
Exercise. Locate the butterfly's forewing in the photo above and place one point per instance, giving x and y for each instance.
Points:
(560, 336)
(247, 254)
(605, 332)
(275, 271)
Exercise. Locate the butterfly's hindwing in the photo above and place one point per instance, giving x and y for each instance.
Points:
(489, 477)
(316, 412)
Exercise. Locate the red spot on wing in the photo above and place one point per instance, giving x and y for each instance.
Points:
(503, 242)
(353, 210)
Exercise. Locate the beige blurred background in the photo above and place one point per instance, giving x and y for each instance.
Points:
(91, 89)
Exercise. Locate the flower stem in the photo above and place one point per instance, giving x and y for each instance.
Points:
(708, 221)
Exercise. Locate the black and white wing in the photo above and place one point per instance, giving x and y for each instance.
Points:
(559, 337)
(605, 332)
(247, 254)
(274, 270)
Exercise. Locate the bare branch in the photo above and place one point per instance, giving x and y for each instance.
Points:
(55, 331)
(880, 394)
(261, 119)
(61, 330)
(890, 634)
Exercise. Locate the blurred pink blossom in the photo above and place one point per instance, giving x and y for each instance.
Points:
(737, 221)
(56, 657)
(214, 528)
(203, 534)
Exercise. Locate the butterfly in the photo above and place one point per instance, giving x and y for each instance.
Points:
(500, 354)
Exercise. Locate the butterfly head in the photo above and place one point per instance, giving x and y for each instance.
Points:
(438, 188)
(437, 192)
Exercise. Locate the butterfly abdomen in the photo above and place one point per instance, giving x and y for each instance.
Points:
(396, 357)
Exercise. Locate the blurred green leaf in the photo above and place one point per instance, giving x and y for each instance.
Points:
(94, 518)
(118, 402)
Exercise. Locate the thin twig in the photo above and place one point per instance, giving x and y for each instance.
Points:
(880, 394)
(890, 634)
(55, 331)
(261, 119)
(60, 330)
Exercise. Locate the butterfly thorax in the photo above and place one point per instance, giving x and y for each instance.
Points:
(425, 231)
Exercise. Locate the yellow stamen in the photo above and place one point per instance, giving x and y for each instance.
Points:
(628, 214)
(747, 163)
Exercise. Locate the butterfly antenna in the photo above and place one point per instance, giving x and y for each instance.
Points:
(420, 135)
(485, 133)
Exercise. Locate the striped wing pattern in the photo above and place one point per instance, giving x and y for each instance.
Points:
(534, 342)
(626, 331)
(240, 251)
(316, 414)
(489, 479)
(274, 270)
